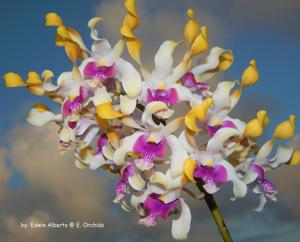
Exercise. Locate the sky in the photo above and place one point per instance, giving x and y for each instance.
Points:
(36, 183)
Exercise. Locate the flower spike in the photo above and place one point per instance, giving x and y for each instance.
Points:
(158, 131)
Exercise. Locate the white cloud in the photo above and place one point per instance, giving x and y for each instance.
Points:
(5, 173)
(34, 152)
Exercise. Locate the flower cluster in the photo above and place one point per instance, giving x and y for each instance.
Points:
(121, 118)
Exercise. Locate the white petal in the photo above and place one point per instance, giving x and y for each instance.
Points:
(185, 142)
(125, 147)
(178, 71)
(94, 161)
(159, 178)
(84, 124)
(92, 24)
(181, 225)
(185, 94)
(173, 183)
(116, 52)
(136, 182)
(140, 198)
(239, 187)
(171, 195)
(66, 134)
(107, 152)
(164, 60)
(130, 122)
(151, 109)
(89, 135)
(212, 61)
(68, 84)
(101, 48)
(262, 202)
(101, 96)
(216, 143)
(130, 78)
(222, 99)
(283, 156)
(264, 151)
(156, 188)
(250, 175)
(172, 126)
(40, 118)
(211, 188)
(240, 125)
(177, 157)
(166, 113)
(127, 105)
(158, 183)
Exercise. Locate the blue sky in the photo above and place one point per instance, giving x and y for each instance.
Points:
(263, 30)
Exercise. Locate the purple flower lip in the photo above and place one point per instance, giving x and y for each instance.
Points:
(102, 141)
(211, 130)
(212, 176)
(268, 186)
(69, 107)
(99, 72)
(189, 81)
(149, 150)
(156, 208)
(121, 186)
(169, 96)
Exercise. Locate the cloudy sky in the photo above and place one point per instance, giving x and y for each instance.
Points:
(37, 184)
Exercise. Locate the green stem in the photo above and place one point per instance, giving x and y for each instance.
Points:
(215, 212)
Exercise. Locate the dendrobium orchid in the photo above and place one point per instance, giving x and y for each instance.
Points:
(127, 121)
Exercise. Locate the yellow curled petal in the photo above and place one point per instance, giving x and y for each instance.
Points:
(286, 129)
(103, 123)
(226, 60)
(130, 22)
(47, 74)
(255, 127)
(200, 43)
(295, 160)
(94, 21)
(13, 80)
(63, 32)
(189, 168)
(76, 37)
(134, 47)
(36, 89)
(114, 138)
(34, 78)
(73, 50)
(52, 19)
(203, 108)
(130, 6)
(91, 24)
(250, 75)
(191, 29)
(106, 111)
(197, 113)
